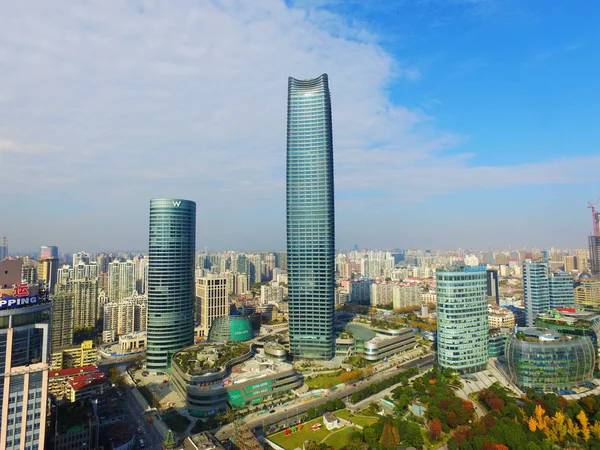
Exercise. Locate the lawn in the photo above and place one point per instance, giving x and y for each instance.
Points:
(323, 381)
(339, 438)
(297, 439)
(358, 419)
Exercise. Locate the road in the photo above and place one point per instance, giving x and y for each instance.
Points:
(295, 411)
(135, 412)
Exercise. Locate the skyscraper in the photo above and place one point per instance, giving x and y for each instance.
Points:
(594, 256)
(212, 301)
(560, 286)
(536, 291)
(4, 249)
(310, 218)
(172, 244)
(462, 309)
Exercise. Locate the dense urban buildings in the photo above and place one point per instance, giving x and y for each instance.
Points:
(172, 246)
(310, 218)
(462, 318)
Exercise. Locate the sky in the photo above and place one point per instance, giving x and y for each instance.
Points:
(457, 123)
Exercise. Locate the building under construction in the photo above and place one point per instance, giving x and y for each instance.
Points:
(242, 438)
(594, 240)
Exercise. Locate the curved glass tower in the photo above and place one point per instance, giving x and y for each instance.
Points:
(170, 280)
(462, 325)
(310, 218)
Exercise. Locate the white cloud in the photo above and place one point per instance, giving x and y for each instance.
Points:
(112, 103)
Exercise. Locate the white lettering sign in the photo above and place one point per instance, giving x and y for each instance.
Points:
(177, 203)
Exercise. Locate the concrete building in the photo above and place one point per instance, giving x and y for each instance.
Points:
(171, 263)
(122, 280)
(493, 290)
(462, 326)
(58, 381)
(359, 291)
(501, 318)
(25, 340)
(48, 272)
(87, 387)
(212, 301)
(382, 294)
(271, 294)
(86, 310)
(594, 254)
(84, 354)
(587, 294)
(310, 219)
(62, 319)
(582, 260)
(406, 296)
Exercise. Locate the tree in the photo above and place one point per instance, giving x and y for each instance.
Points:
(572, 429)
(388, 438)
(583, 420)
(435, 428)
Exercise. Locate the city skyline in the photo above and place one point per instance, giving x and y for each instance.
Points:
(425, 134)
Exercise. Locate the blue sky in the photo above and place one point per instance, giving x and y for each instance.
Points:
(457, 123)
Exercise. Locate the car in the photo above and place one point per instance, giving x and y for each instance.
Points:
(272, 411)
(142, 443)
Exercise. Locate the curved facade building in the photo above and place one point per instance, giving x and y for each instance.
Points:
(170, 280)
(462, 326)
(230, 329)
(539, 358)
(310, 218)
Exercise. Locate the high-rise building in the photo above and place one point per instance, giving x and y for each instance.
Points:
(582, 260)
(570, 263)
(212, 301)
(560, 289)
(48, 272)
(4, 249)
(493, 291)
(25, 349)
(594, 256)
(62, 319)
(121, 280)
(29, 272)
(172, 245)
(86, 310)
(48, 251)
(536, 290)
(462, 326)
(310, 218)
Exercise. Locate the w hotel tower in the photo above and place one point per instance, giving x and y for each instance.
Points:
(310, 219)
(170, 280)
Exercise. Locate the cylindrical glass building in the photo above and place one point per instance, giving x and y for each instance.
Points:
(462, 326)
(172, 246)
(310, 219)
(540, 358)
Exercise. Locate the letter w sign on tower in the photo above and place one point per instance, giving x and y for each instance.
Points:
(176, 203)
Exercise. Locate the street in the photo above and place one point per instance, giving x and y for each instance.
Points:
(294, 411)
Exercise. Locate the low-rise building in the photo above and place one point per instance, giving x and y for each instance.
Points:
(87, 387)
(202, 441)
(218, 377)
(330, 421)
(133, 342)
(58, 380)
(85, 354)
(501, 318)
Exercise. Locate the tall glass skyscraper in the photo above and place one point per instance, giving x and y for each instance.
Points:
(310, 219)
(462, 325)
(536, 292)
(170, 280)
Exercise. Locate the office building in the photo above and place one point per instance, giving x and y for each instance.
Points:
(212, 301)
(560, 289)
(462, 326)
(493, 287)
(48, 272)
(4, 249)
(25, 348)
(48, 251)
(594, 255)
(172, 245)
(536, 290)
(310, 218)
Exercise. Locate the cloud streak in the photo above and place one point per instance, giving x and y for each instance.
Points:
(110, 104)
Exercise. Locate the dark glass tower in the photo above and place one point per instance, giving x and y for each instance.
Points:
(310, 218)
(170, 280)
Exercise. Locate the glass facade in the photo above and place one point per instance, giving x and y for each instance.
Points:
(170, 280)
(462, 326)
(561, 290)
(310, 219)
(549, 365)
(536, 292)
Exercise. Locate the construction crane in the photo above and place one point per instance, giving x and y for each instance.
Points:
(592, 206)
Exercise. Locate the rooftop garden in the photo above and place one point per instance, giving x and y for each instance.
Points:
(201, 358)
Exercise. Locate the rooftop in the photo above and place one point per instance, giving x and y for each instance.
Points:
(204, 357)
(539, 335)
(92, 379)
(257, 367)
(73, 371)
